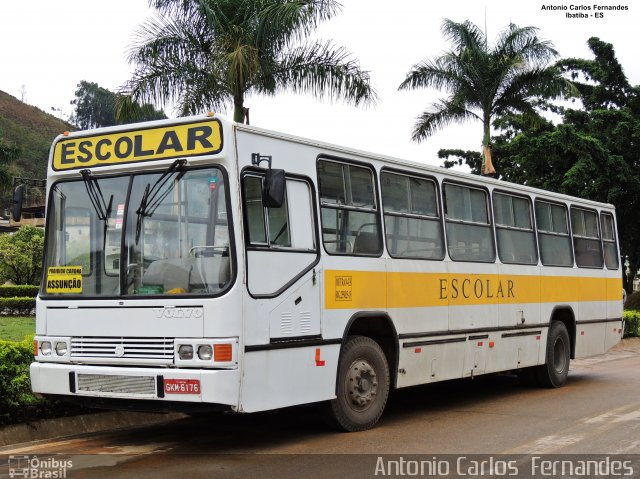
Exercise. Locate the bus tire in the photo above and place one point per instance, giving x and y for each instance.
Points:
(553, 374)
(362, 385)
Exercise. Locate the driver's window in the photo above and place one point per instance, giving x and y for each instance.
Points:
(289, 226)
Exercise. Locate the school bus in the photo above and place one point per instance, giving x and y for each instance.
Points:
(199, 262)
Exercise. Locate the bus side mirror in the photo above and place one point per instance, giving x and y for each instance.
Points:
(273, 189)
(18, 198)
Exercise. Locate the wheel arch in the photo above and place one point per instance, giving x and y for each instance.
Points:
(565, 314)
(378, 326)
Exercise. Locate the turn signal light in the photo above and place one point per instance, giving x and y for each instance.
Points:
(222, 353)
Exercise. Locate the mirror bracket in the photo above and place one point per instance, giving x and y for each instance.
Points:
(274, 183)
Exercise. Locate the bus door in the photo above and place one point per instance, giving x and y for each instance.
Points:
(282, 260)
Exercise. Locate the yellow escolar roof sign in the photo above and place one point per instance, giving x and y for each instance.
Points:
(163, 142)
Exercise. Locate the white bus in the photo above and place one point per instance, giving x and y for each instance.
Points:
(203, 262)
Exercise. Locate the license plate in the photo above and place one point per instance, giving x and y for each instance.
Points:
(182, 386)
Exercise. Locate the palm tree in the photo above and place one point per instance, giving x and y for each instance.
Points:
(486, 82)
(208, 54)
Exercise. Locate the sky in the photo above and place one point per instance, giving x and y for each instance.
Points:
(47, 47)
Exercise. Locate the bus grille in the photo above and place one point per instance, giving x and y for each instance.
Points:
(117, 385)
(126, 350)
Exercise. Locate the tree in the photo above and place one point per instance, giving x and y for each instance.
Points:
(8, 154)
(486, 82)
(593, 153)
(96, 106)
(21, 255)
(208, 54)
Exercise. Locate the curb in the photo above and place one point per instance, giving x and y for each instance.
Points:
(82, 424)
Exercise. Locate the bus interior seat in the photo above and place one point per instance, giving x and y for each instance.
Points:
(188, 273)
(210, 271)
(168, 273)
(366, 243)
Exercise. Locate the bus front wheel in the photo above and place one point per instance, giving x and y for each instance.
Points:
(553, 373)
(362, 385)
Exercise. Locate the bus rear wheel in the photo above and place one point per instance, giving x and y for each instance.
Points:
(362, 385)
(553, 374)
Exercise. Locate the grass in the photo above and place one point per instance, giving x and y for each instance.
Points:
(15, 328)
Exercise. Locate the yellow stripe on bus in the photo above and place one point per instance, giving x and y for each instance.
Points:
(379, 290)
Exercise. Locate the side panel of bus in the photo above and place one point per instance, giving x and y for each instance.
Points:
(436, 318)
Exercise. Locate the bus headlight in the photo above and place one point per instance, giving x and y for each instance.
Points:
(218, 353)
(185, 352)
(52, 349)
(205, 352)
(61, 348)
(45, 348)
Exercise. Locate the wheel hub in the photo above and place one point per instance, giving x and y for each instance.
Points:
(362, 384)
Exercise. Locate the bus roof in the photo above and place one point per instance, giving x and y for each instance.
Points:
(184, 137)
(422, 167)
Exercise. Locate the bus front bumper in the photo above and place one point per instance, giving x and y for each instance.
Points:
(136, 383)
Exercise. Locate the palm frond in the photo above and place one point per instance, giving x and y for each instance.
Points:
(440, 114)
(284, 22)
(523, 42)
(446, 72)
(326, 72)
(525, 86)
(464, 35)
(172, 57)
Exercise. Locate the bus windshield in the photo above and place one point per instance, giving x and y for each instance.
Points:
(161, 233)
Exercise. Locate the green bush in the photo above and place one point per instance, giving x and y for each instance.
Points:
(22, 291)
(633, 301)
(15, 387)
(17, 402)
(17, 306)
(631, 324)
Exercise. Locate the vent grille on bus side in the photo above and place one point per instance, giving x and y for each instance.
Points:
(305, 322)
(126, 350)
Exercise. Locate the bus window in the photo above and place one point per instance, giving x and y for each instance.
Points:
(84, 227)
(469, 235)
(412, 223)
(553, 234)
(349, 215)
(254, 210)
(285, 227)
(77, 230)
(586, 238)
(514, 229)
(609, 241)
(178, 234)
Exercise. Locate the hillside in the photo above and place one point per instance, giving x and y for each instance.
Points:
(32, 130)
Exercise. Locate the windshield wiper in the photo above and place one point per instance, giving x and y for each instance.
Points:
(103, 210)
(150, 200)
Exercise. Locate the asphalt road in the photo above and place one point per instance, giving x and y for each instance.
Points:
(597, 412)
